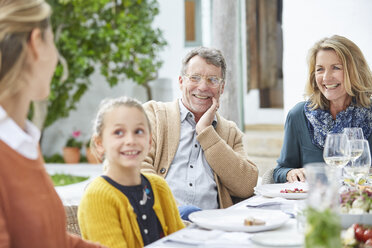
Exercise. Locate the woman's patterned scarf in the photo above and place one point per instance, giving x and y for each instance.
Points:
(320, 122)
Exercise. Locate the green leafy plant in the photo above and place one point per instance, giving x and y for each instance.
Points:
(83, 159)
(115, 36)
(60, 179)
(55, 158)
(73, 142)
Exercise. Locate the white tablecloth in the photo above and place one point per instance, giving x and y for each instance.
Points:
(193, 236)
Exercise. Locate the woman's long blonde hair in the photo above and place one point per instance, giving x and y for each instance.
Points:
(17, 20)
(357, 74)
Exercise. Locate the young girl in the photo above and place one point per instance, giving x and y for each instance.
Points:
(124, 208)
(31, 213)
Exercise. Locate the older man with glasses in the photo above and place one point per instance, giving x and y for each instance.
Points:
(198, 152)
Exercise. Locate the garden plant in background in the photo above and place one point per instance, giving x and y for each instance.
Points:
(114, 36)
(66, 179)
(71, 152)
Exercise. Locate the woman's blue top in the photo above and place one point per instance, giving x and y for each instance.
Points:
(298, 148)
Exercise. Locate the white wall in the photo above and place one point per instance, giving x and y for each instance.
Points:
(254, 115)
(305, 22)
(171, 21)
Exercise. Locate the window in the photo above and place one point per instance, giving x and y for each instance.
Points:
(192, 23)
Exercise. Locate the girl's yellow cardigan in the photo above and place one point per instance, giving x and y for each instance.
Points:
(106, 215)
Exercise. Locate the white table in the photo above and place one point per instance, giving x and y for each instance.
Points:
(194, 236)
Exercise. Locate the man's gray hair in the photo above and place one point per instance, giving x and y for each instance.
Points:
(211, 55)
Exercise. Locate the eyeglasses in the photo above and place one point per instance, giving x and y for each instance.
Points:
(212, 81)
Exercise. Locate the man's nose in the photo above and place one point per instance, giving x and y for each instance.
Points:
(203, 84)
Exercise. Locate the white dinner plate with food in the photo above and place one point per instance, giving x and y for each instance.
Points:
(278, 239)
(297, 190)
(243, 220)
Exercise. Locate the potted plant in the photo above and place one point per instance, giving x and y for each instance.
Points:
(71, 152)
(92, 158)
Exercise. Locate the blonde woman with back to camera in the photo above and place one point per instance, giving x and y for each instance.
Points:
(31, 213)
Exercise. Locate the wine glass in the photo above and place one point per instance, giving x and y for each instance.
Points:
(354, 133)
(360, 168)
(356, 149)
(336, 151)
(355, 136)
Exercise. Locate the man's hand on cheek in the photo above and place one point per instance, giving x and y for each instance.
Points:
(208, 117)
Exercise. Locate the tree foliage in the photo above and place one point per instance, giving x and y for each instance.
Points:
(115, 36)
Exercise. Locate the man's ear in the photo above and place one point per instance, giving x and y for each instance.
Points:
(222, 87)
(35, 43)
(180, 81)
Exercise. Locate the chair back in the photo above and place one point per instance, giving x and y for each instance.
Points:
(72, 224)
(267, 177)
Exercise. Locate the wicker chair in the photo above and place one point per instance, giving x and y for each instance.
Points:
(72, 225)
(268, 176)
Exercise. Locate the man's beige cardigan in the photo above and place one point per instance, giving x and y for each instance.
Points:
(223, 148)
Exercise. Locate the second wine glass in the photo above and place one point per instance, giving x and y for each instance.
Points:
(336, 151)
(355, 137)
(359, 169)
(354, 133)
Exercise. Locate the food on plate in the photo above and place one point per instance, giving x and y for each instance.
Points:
(295, 190)
(350, 181)
(356, 201)
(251, 221)
(358, 236)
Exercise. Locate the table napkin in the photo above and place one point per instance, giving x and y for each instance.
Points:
(261, 202)
(210, 238)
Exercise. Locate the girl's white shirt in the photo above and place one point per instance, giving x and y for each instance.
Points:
(25, 143)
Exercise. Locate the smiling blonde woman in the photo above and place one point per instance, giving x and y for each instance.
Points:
(338, 92)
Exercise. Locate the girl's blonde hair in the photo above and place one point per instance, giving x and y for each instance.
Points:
(17, 20)
(357, 74)
(105, 106)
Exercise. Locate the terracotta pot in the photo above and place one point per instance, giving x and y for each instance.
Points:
(91, 157)
(71, 155)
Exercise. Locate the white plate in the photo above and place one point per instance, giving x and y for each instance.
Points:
(278, 239)
(273, 190)
(233, 219)
(348, 219)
